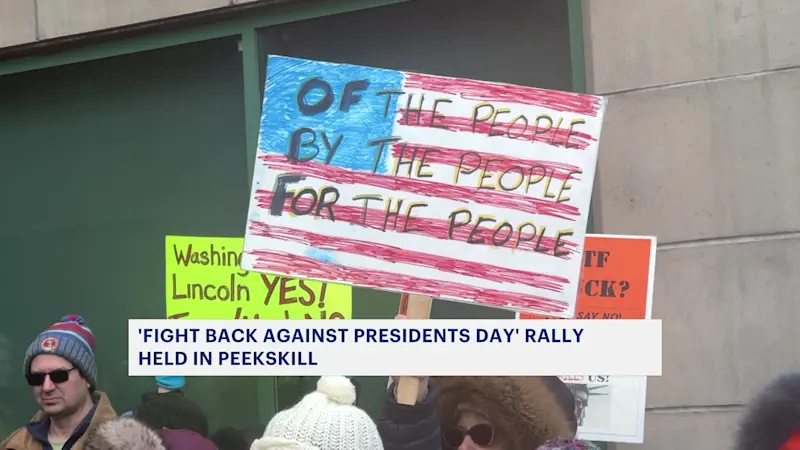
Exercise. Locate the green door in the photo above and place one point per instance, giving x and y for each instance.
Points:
(100, 161)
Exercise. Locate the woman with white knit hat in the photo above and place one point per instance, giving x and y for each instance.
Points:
(323, 420)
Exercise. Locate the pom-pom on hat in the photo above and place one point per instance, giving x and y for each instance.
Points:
(323, 420)
(70, 339)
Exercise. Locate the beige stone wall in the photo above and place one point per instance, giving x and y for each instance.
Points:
(26, 21)
(701, 147)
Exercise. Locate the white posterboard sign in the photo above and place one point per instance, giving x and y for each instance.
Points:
(451, 188)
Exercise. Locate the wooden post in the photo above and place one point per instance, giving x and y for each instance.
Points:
(416, 307)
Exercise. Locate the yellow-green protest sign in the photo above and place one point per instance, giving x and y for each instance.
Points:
(204, 281)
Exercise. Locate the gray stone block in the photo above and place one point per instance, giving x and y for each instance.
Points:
(695, 430)
(728, 313)
(17, 22)
(703, 160)
(67, 17)
(635, 44)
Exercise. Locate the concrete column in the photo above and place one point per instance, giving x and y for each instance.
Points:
(17, 22)
(700, 147)
(57, 18)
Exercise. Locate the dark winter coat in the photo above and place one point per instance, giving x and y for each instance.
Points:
(772, 420)
(416, 427)
(529, 411)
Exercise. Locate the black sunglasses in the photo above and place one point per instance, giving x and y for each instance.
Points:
(57, 377)
(481, 434)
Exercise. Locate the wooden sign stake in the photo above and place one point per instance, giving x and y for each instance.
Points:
(418, 307)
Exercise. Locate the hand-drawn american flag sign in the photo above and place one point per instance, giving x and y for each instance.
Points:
(458, 189)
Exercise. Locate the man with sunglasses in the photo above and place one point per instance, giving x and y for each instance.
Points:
(61, 370)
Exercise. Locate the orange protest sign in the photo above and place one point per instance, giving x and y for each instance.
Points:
(616, 283)
(616, 278)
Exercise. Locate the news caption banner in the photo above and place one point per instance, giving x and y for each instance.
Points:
(445, 187)
(392, 347)
(616, 283)
(205, 281)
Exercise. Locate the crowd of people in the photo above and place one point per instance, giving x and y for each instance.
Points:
(459, 413)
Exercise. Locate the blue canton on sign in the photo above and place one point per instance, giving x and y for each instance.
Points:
(328, 112)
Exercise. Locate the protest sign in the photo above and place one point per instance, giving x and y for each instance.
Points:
(204, 281)
(616, 283)
(444, 187)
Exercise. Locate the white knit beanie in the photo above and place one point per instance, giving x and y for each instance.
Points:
(322, 420)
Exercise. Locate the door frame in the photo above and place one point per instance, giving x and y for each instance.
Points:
(246, 28)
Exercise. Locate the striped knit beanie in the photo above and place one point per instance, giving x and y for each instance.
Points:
(70, 339)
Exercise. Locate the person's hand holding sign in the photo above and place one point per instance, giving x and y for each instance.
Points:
(423, 381)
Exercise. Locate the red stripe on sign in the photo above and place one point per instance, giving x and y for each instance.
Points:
(422, 187)
(523, 238)
(521, 128)
(302, 266)
(393, 254)
(508, 168)
(500, 92)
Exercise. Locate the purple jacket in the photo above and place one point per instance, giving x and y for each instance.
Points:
(185, 440)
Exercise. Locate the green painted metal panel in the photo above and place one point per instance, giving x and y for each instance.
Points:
(449, 37)
(576, 45)
(578, 64)
(100, 161)
(251, 65)
(248, 46)
(578, 68)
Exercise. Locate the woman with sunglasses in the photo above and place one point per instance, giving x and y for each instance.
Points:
(486, 413)
(508, 413)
